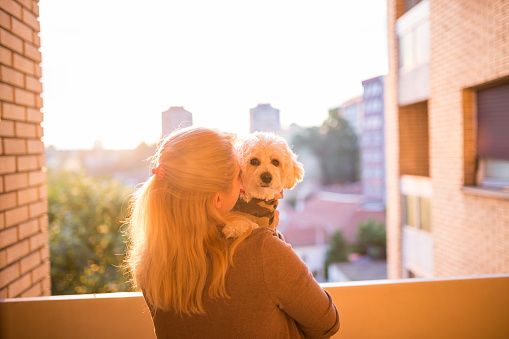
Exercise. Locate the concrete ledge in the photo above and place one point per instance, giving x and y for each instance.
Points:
(471, 307)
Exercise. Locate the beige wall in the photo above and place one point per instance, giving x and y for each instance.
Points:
(24, 253)
(452, 308)
(469, 48)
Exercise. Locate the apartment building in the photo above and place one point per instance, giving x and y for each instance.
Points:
(372, 141)
(447, 147)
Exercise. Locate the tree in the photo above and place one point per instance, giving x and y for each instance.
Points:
(338, 249)
(86, 242)
(335, 145)
(372, 240)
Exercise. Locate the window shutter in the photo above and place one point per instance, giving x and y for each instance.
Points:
(493, 122)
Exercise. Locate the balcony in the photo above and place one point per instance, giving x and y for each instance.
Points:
(472, 307)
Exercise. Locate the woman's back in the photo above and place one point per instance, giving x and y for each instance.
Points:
(272, 295)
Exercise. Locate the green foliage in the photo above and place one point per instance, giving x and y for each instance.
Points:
(338, 249)
(371, 239)
(335, 145)
(86, 243)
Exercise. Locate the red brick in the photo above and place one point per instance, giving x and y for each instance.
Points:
(32, 292)
(9, 274)
(37, 40)
(7, 128)
(13, 112)
(7, 201)
(21, 30)
(35, 147)
(37, 209)
(5, 56)
(27, 4)
(41, 271)
(38, 241)
(11, 7)
(6, 92)
(36, 178)
(38, 101)
(15, 146)
(25, 130)
(15, 181)
(28, 228)
(23, 97)
(8, 237)
(32, 52)
(33, 84)
(35, 8)
(43, 192)
(30, 262)
(30, 19)
(11, 41)
(39, 131)
(23, 64)
(34, 115)
(5, 21)
(28, 195)
(44, 252)
(46, 286)
(3, 258)
(16, 216)
(17, 251)
(17, 287)
(27, 162)
(43, 223)
(12, 76)
(41, 160)
(7, 164)
(37, 71)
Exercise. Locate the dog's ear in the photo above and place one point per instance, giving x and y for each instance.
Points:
(232, 137)
(294, 172)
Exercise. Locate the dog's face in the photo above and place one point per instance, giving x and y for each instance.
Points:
(268, 166)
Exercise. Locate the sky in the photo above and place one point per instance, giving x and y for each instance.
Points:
(111, 67)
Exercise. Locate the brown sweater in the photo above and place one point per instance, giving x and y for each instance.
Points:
(272, 295)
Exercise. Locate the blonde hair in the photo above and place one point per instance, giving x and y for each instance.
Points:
(175, 243)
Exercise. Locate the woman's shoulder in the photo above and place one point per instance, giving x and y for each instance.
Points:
(265, 239)
(261, 234)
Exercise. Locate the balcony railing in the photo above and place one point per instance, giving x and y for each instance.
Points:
(472, 307)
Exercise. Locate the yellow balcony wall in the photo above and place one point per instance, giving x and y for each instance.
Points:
(473, 307)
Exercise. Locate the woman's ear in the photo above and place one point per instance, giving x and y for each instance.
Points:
(217, 200)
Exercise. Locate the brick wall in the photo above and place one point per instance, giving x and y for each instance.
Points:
(24, 252)
(469, 48)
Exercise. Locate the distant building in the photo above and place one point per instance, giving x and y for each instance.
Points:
(174, 118)
(352, 111)
(372, 141)
(264, 118)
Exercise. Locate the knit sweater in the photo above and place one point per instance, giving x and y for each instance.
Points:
(272, 295)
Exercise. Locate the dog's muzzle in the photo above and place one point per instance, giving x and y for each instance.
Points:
(266, 177)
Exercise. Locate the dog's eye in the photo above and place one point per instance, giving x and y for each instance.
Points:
(254, 162)
(275, 162)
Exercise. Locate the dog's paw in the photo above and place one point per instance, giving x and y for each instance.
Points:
(235, 229)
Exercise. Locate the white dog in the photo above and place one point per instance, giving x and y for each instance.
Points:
(267, 167)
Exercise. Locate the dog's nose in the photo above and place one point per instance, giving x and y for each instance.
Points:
(266, 177)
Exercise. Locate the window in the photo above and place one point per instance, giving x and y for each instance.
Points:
(492, 137)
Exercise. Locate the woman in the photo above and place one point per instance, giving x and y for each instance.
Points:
(196, 283)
